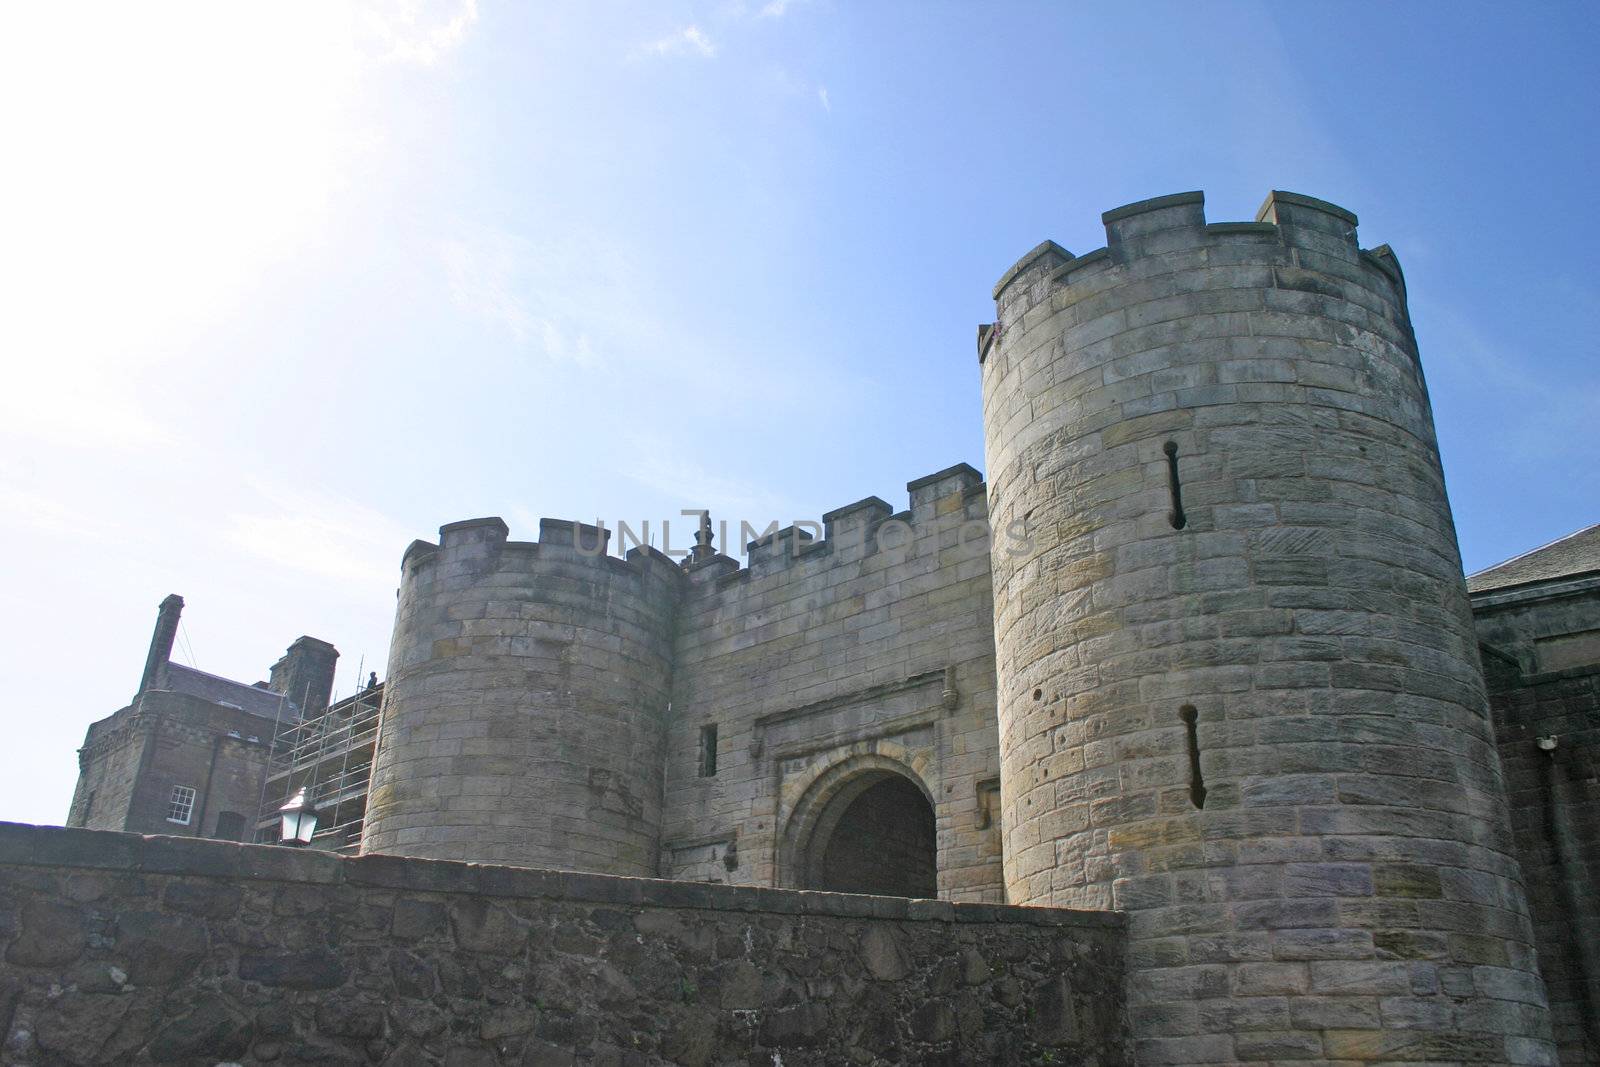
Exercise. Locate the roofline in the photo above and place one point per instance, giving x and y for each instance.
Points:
(283, 698)
(1539, 589)
(1532, 552)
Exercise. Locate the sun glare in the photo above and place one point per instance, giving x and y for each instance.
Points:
(154, 172)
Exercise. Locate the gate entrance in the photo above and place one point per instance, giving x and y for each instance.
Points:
(876, 835)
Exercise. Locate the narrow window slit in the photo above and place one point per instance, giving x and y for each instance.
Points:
(1176, 516)
(1197, 784)
(708, 751)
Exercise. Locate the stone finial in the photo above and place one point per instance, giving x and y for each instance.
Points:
(703, 548)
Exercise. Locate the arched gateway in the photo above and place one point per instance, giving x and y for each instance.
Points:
(865, 825)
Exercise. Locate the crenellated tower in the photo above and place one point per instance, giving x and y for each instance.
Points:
(524, 707)
(1239, 691)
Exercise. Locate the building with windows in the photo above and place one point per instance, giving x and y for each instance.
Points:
(190, 753)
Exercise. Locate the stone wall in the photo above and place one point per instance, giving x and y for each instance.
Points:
(125, 949)
(1240, 695)
(522, 718)
(1545, 627)
(1554, 792)
(546, 706)
(1555, 814)
(131, 761)
(869, 651)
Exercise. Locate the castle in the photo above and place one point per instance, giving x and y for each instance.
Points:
(1199, 651)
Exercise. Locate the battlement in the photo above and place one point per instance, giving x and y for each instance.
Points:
(857, 530)
(1167, 234)
(479, 545)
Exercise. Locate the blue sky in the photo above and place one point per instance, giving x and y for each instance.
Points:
(287, 288)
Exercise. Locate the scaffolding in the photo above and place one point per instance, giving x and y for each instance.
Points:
(330, 757)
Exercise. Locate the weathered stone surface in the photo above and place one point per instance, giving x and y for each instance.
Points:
(586, 970)
(77, 1026)
(1239, 685)
(800, 1026)
(350, 1016)
(883, 954)
(211, 1028)
(1539, 687)
(294, 970)
(416, 919)
(161, 949)
(51, 934)
(214, 900)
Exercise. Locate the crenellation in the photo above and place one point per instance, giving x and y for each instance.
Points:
(1198, 650)
(1045, 255)
(943, 485)
(580, 537)
(1277, 361)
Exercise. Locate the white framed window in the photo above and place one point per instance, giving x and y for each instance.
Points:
(181, 806)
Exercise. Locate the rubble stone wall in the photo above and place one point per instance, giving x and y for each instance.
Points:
(116, 948)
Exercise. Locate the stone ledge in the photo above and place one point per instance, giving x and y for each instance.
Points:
(22, 844)
(1040, 250)
(1280, 196)
(1155, 203)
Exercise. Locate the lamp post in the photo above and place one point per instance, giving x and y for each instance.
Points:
(299, 820)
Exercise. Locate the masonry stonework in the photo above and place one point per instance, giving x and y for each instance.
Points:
(189, 753)
(121, 949)
(1532, 624)
(828, 665)
(1200, 653)
(1219, 439)
(525, 700)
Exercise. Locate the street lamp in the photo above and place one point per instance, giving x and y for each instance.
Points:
(299, 820)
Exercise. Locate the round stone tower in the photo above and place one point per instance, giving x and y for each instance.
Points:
(1239, 691)
(523, 711)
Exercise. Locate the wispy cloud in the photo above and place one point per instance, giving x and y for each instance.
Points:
(418, 31)
(540, 296)
(822, 96)
(663, 465)
(482, 274)
(1482, 366)
(61, 405)
(331, 538)
(690, 41)
(776, 9)
(31, 509)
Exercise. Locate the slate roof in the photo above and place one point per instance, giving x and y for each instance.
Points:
(1575, 554)
(218, 690)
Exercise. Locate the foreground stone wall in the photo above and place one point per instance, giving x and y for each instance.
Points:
(125, 949)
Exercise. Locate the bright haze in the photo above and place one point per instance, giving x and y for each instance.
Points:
(286, 286)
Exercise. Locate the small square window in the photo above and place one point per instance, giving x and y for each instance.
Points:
(181, 806)
(708, 751)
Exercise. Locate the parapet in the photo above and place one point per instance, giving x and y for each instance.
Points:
(942, 484)
(1291, 230)
(479, 545)
(850, 532)
(578, 536)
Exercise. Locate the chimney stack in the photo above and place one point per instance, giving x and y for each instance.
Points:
(305, 675)
(155, 664)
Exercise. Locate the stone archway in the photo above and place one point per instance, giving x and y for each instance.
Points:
(866, 825)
